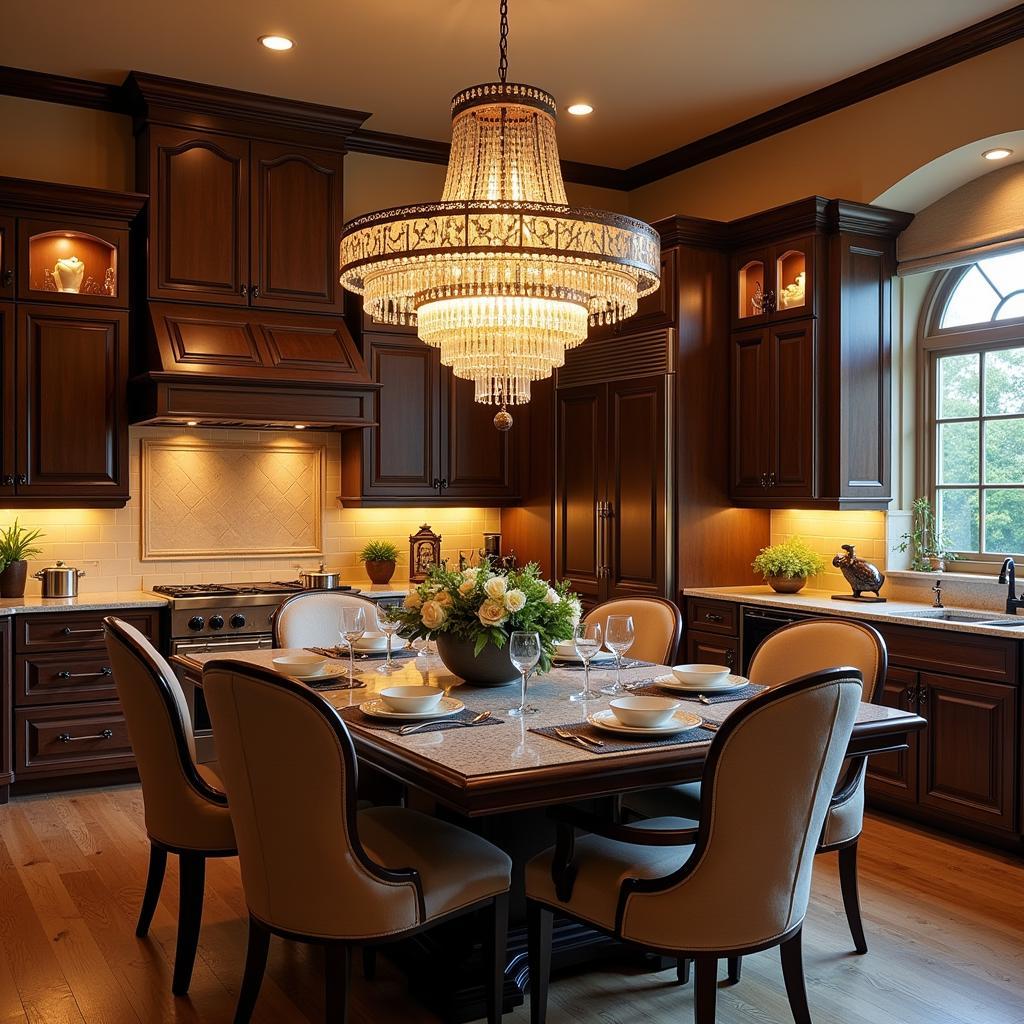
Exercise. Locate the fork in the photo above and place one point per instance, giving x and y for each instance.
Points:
(408, 730)
(584, 741)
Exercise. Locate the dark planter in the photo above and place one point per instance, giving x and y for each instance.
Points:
(786, 584)
(380, 572)
(13, 579)
(491, 667)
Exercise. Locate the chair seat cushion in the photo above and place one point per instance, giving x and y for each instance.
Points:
(683, 800)
(211, 776)
(602, 865)
(457, 867)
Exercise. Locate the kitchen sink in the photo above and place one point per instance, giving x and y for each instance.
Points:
(954, 615)
(1005, 623)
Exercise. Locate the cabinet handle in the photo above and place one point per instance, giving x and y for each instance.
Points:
(65, 674)
(21, 478)
(66, 737)
(444, 483)
(255, 291)
(922, 697)
(730, 657)
(771, 479)
(68, 631)
(7, 277)
(910, 695)
(712, 617)
(768, 304)
(244, 290)
(764, 479)
(8, 480)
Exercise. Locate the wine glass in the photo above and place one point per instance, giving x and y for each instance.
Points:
(524, 653)
(587, 638)
(352, 627)
(618, 638)
(389, 624)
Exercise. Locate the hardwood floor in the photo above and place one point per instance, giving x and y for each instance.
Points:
(945, 925)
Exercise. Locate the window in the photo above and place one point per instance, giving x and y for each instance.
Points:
(976, 422)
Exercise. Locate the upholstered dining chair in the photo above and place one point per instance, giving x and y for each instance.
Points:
(739, 881)
(811, 645)
(311, 619)
(657, 622)
(185, 806)
(317, 870)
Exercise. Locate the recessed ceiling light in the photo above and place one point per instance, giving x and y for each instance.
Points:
(1000, 153)
(277, 42)
(580, 109)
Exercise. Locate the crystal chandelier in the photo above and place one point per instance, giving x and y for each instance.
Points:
(502, 275)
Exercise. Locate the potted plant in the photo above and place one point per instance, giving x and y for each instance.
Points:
(16, 548)
(927, 546)
(379, 557)
(786, 566)
(472, 613)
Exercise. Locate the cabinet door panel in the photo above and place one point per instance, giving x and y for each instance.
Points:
(708, 649)
(894, 776)
(968, 749)
(792, 396)
(790, 260)
(478, 461)
(7, 258)
(73, 376)
(297, 211)
(199, 217)
(6, 710)
(8, 395)
(750, 426)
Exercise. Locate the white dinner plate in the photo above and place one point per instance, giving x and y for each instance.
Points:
(681, 721)
(379, 644)
(733, 682)
(571, 659)
(378, 709)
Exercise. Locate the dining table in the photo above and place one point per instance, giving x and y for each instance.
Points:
(502, 775)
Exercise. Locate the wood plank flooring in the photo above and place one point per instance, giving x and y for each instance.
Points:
(945, 922)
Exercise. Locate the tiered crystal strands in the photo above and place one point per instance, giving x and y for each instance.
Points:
(501, 275)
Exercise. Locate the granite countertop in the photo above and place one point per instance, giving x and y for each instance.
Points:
(393, 589)
(82, 603)
(903, 613)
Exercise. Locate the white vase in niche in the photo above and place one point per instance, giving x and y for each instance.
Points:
(68, 274)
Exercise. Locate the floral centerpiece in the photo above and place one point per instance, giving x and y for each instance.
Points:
(471, 614)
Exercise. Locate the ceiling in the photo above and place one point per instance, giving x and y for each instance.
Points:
(659, 73)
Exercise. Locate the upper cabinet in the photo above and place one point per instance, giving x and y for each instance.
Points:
(810, 355)
(7, 257)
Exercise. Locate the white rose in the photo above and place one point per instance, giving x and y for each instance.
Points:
(491, 613)
(412, 601)
(467, 587)
(551, 597)
(515, 600)
(495, 587)
(471, 573)
(445, 599)
(433, 614)
(577, 610)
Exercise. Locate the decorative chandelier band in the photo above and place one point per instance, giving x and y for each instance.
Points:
(504, 93)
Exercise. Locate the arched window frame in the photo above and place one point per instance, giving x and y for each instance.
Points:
(934, 342)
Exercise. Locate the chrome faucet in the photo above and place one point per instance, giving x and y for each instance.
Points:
(937, 591)
(1008, 575)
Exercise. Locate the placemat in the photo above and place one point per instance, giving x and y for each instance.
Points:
(353, 716)
(616, 744)
(334, 683)
(602, 666)
(648, 687)
(340, 654)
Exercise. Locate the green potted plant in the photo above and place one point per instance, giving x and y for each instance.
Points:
(927, 546)
(16, 548)
(379, 557)
(786, 566)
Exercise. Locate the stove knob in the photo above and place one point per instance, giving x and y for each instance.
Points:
(196, 623)
(216, 622)
(237, 621)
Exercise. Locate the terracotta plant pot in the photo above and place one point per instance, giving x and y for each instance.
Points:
(13, 579)
(937, 564)
(491, 667)
(787, 584)
(380, 572)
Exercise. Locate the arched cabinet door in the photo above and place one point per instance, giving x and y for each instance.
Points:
(199, 216)
(296, 227)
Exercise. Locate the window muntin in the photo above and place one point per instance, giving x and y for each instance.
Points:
(991, 289)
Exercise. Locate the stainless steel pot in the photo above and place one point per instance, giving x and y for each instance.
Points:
(320, 579)
(60, 580)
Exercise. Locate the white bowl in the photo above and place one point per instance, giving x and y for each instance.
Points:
(565, 649)
(701, 675)
(302, 666)
(643, 712)
(372, 640)
(412, 700)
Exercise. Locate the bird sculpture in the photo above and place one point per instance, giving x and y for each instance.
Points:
(862, 576)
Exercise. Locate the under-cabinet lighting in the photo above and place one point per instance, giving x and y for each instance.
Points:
(192, 423)
(300, 426)
(277, 42)
(999, 153)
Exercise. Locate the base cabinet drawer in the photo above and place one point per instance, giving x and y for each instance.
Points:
(63, 678)
(713, 616)
(708, 649)
(70, 740)
(79, 630)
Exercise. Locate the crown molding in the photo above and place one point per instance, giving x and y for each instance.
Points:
(74, 200)
(74, 92)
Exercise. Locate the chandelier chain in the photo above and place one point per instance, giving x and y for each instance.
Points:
(503, 41)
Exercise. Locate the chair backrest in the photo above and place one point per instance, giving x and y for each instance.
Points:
(658, 624)
(311, 619)
(182, 810)
(769, 777)
(289, 768)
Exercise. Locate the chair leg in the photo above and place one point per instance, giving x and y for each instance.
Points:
(735, 969)
(793, 972)
(682, 970)
(851, 895)
(154, 883)
(338, 969)
(370, 962)
(540, 925)
(192, 880)
(255, 966)
(705, 990)
(495, 950)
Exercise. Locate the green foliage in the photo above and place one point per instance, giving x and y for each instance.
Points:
(790, 559)
(486, 606)
(16, 543)
(924, 540)
(379, 551)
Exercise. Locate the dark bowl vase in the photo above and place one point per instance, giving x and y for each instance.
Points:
(491, 667)
(13, 579)
(786, 584)
(380, 572)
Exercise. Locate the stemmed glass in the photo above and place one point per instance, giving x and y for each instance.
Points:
(352, 627)
(524, 653)
(618, 638)
(587, 638)
(389, 624)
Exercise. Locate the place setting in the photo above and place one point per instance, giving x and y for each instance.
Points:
(406, 710)
(317, 671)
(705, 684)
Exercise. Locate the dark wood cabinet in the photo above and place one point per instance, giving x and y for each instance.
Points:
(477, 457)
(774, 282)
(657, 310)
(712, 649)
(895, 775)
(8, 397)
(6, 710)
(7, 257)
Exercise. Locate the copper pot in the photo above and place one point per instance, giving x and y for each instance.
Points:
(59, 580)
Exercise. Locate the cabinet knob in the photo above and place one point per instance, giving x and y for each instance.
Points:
(255, 291)
(922, 697)
(7, 277)
(764, 479)
(444, 483)
(436, 483)
(771, 479)
(244, 290)
(7, 481)
(21, 479)
(730, 657)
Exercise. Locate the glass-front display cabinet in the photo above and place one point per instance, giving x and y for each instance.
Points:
(72, 262)
(774, 282)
